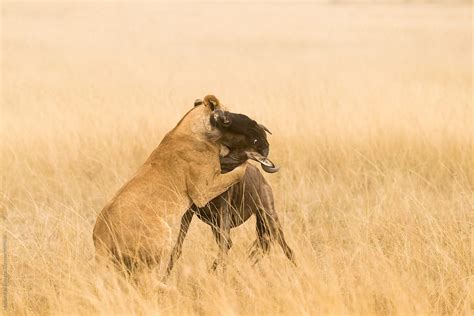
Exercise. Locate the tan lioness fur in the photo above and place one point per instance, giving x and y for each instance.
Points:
(183, 169)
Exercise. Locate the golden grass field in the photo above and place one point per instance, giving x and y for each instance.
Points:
(371, 112)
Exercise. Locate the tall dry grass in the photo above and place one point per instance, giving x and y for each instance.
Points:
(371, 113)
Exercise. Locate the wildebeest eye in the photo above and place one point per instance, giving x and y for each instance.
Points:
(255, 141)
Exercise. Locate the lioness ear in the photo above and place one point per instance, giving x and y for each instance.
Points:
(197, 102)
(212, 102)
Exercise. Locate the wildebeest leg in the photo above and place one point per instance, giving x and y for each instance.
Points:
(176, 253)
(222, 236)
(261, 245)
(284, 246)
(273, 227)
(269, 229)
(269, 223)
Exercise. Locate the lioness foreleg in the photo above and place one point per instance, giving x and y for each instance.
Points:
(204, 189)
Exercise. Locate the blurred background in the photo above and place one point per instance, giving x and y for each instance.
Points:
(370, 105)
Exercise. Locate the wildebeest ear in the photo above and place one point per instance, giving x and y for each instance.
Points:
(197, 102)
(212, 102)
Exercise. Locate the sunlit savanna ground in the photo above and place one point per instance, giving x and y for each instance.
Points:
(371, 112)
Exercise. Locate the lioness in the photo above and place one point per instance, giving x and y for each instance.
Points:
(183, 170)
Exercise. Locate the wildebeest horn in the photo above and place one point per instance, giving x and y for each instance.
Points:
(270, 169)
(264, 128)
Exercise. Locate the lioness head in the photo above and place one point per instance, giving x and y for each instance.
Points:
(210, 101)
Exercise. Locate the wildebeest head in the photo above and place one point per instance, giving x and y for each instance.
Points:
(245, 139)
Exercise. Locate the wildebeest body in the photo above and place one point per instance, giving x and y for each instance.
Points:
(252, 195)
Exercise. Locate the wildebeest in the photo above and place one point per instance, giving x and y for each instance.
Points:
(252, 195)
